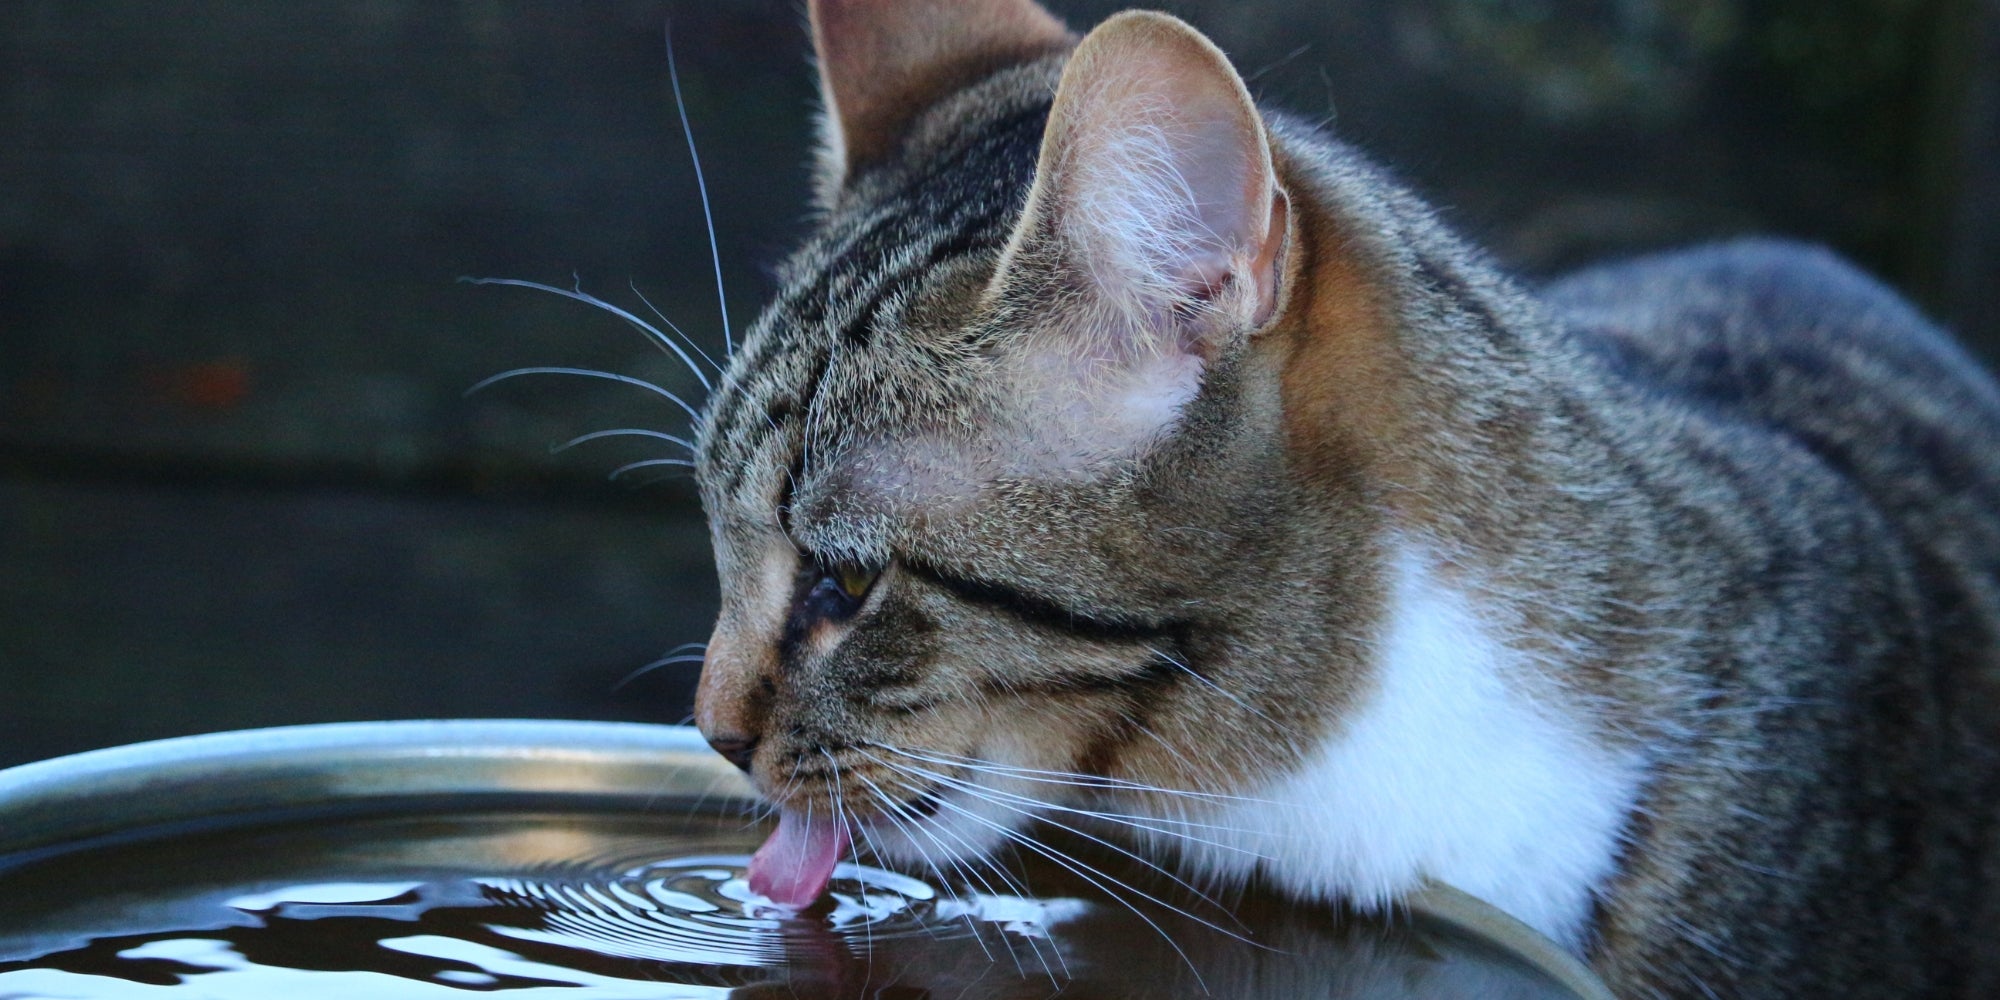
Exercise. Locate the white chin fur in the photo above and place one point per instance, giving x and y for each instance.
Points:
(1449, 770)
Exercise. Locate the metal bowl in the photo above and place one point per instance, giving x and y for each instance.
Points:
(573, 859)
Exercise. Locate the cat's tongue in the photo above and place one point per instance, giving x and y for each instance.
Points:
(794, 866)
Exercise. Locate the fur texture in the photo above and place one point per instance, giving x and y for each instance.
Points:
(1185, 476)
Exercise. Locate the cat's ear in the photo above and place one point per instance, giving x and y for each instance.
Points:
(883, 61)
(1155, 181)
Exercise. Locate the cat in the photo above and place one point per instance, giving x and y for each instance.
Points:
(1116, 451)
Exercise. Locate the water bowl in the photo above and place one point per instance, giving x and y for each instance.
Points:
(594, 860)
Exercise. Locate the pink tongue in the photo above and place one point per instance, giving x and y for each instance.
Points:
(794, 866)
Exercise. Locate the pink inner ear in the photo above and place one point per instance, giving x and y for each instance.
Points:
(1155, 181)
(1219, 167)
(1162, 172)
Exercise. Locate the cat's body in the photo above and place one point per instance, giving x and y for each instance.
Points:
(1171, 448)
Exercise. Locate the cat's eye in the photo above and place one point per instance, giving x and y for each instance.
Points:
(854, 579)
(833, 590)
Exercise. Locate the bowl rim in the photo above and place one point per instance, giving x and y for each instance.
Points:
(144, 790)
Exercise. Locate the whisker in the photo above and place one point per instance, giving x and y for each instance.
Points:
(910, 829)
(839, 803)
(714, 254)
(975, 791)
(1129, 820)
(1132, 820)
(589, 373)
(974, 861)
(963, 862)
(865, 832)
(650, 463)
(967, 863)
(578, 294)
(621, 432)
(1212, 686)
(1069, 778)
(657, 480)
(655, 665)
(1092, 875)
(943, 880)
(690, 341)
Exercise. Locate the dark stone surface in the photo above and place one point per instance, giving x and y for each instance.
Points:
(240, 484)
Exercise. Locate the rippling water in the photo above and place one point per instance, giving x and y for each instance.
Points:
(582, 906)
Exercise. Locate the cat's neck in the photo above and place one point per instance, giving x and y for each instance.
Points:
(1412, 368)
(1475, 420)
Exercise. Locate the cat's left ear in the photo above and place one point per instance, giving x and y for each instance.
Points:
(881, 62)
(1156, 182)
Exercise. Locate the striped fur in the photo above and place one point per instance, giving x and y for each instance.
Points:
(1660, 605)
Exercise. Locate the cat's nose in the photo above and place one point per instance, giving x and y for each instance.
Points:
(736, 748)
(728, 704)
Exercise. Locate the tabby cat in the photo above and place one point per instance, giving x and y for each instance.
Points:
(1118, 448)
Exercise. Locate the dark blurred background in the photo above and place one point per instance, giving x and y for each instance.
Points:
(240, 484)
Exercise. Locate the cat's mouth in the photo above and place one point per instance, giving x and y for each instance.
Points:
(794, 866)
(926, 825)
(796, 863)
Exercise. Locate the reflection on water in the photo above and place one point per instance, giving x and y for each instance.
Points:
(437, 908)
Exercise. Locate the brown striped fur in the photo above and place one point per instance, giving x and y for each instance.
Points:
(1738, 506)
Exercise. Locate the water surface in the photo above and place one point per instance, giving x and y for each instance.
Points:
(575, 906)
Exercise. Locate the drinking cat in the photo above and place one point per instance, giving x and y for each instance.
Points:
(1119, 454)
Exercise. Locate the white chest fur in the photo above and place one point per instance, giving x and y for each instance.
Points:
(1449, 771)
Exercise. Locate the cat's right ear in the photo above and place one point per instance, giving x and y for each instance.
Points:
(1156, 184)
(883, 61)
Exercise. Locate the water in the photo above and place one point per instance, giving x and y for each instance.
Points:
(575, 906)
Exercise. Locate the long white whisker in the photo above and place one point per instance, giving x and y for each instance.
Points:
(663, 661)
(979, 792)
(840, 818)
(714, 254)
(975, 791)
(1070, 778)
(1092, 875)
(1132, 820)
(652, 333)
(621, 432)
(1136, 822)
(1211, 685)
(649, 463)
(690, 341)
(911, 827)
(967, 863)
(944, 882)
(866, 834)
(588, 373)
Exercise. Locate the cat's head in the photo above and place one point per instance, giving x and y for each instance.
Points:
(1002, 485)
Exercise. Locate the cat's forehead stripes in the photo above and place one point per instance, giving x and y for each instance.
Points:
(905, 226)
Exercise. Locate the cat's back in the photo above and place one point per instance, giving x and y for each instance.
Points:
(1787, 349)
(1790, 338)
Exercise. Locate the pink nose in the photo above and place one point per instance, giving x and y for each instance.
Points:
(727, 705)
